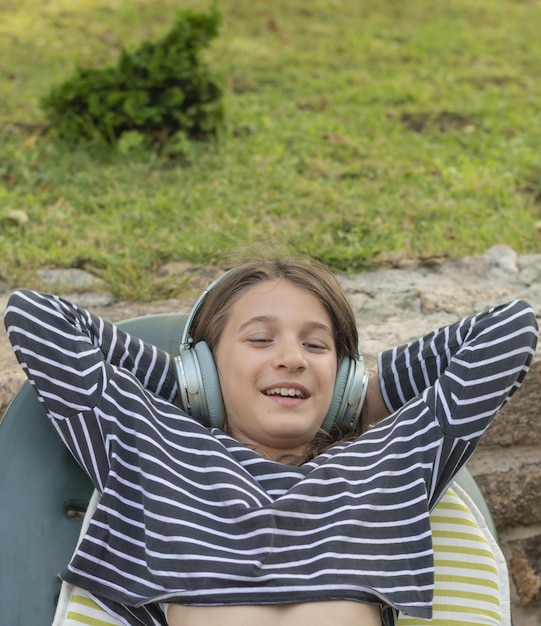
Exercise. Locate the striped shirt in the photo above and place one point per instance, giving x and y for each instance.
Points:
(190, 515)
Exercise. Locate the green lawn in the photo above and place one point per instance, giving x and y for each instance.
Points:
(361, 132)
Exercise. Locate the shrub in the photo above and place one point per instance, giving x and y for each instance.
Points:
(160, 90)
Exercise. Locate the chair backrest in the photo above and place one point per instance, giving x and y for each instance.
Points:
(40, 486)
(41, 483)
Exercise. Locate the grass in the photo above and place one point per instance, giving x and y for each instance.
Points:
(360, 132)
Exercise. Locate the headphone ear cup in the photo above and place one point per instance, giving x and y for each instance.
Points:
(198, 385)
(211, 394)
(348, 397)
(342, 376)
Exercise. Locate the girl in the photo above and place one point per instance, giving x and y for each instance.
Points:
(288, 508)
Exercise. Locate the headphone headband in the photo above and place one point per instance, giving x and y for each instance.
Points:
(186, 339)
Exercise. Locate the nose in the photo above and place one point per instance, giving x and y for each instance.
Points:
(289, 356)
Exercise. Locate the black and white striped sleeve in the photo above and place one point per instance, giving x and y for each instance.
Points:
(69, 354)
(71, 358)
(464, 372)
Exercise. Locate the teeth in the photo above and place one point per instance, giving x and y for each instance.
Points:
(287, 392)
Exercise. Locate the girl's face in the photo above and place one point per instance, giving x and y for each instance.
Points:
(277, 364)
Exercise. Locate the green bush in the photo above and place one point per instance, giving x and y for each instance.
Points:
(161, 90)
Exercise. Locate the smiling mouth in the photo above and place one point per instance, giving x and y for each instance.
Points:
(286, 392)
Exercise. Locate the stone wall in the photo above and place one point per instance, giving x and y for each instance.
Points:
(393, 306)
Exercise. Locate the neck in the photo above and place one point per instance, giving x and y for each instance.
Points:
(294, 456)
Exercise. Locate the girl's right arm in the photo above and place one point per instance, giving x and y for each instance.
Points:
(73, 360)
(69, 355)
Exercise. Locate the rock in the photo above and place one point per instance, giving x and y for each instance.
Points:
(526, 568)
(72, 278)
(519, 422)
(501, 257)
(12, 378)
(510, 480)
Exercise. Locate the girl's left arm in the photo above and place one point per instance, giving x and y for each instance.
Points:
(464, 372)
(459, 377)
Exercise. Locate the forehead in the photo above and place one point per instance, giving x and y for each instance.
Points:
(281, 299)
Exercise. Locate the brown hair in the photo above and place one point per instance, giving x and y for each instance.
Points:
(214, 312)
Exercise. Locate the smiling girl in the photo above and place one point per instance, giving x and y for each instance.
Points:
(284, 511)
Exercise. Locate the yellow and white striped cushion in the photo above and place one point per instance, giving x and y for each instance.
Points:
(83, 610)
(468, 577)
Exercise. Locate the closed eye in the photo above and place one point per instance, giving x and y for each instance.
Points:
(315, 346)
(259, 341)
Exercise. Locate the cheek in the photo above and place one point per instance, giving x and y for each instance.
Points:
(225, 379)
(233, 380)
(327, 381)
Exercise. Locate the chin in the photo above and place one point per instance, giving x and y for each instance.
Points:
(292, 438)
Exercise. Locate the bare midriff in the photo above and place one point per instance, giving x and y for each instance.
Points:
(336, 612)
